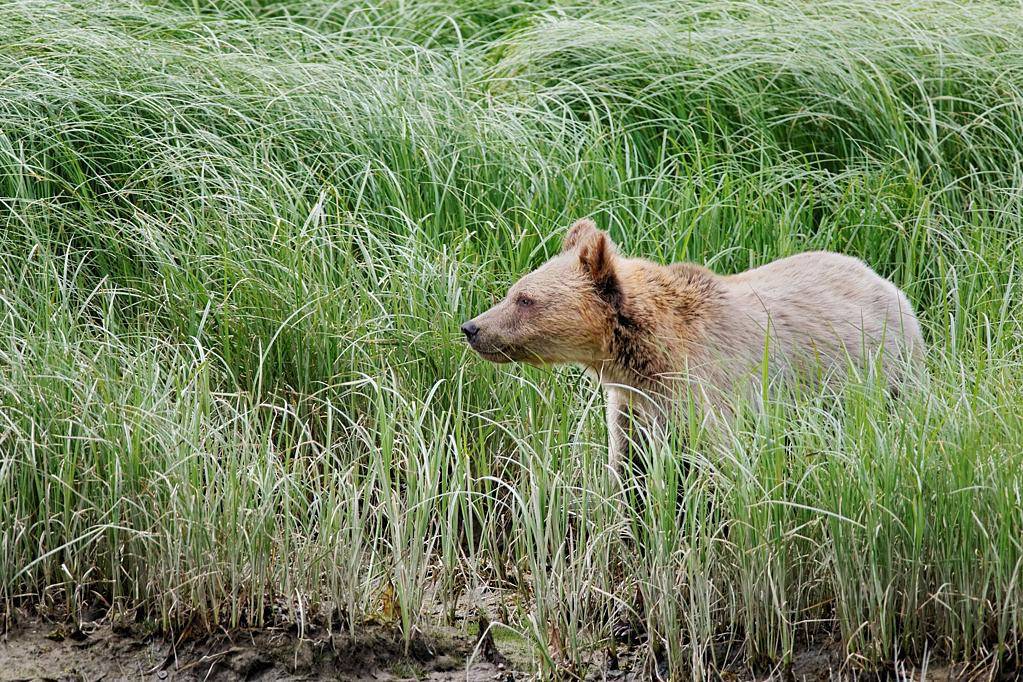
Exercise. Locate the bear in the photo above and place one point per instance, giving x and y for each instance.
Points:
(654, 335)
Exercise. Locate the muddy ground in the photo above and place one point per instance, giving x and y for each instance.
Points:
(37, 649)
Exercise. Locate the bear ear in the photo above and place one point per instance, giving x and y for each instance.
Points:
(597, 256)
(581, 231)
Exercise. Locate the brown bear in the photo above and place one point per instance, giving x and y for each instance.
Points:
(655, 335)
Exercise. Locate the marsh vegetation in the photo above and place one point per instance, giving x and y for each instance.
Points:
(238, 238)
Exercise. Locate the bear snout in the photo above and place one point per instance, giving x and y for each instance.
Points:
(483, 341)
(470, 329)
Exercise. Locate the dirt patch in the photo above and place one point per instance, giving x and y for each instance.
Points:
(38, 650)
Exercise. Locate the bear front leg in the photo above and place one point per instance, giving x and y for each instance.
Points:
(617, 428)
(634, 422)
(628, 428)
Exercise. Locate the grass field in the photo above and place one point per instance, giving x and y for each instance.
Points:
(238, 239)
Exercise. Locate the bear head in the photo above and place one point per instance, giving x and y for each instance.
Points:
(561, 312)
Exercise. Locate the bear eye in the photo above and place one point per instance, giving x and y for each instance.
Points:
(524, 301)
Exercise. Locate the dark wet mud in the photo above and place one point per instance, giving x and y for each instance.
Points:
(38, 650)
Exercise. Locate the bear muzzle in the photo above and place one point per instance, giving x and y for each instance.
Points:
(483, 343)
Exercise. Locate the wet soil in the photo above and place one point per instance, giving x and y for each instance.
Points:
(38, 650)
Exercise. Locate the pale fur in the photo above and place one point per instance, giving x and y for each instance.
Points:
(812, 314)
(655, 335)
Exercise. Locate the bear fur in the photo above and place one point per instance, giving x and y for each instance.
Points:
(657, 335)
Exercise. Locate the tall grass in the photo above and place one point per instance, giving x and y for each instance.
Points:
(239, 237)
